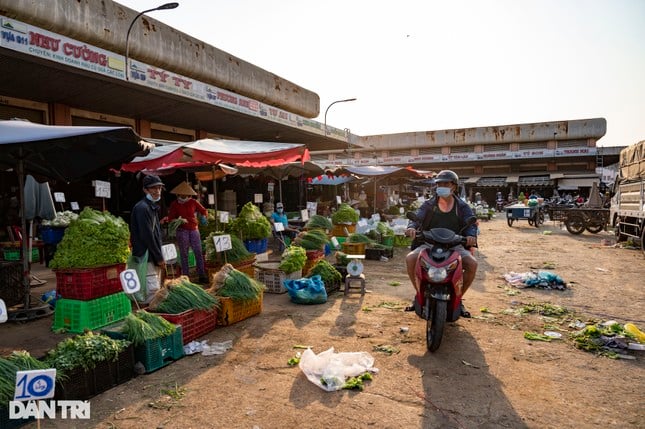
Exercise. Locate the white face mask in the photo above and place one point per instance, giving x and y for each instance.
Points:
(182, 199)
(443, 192)
(153, 199)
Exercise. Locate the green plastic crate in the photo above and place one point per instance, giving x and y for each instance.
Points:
(14, 255)
(77, 316)
(153, 354)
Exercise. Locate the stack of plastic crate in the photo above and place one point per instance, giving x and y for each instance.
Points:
(90, 298)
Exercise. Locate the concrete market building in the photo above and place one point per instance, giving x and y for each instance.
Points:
(64, 62)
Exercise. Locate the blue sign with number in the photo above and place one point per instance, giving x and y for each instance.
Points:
(35, 384)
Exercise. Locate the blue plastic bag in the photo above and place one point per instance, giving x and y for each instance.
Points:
(309, 290)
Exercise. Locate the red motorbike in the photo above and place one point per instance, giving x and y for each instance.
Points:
(439, 272)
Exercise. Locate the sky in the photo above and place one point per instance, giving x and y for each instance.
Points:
(426, 65)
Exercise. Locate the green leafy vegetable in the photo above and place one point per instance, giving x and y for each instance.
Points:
(534, 336)
(344, 214)
(84, 351)
(94, 239)
(251, 224)
(237, 252)
(326, 271)
(320, 222)
(294, 258)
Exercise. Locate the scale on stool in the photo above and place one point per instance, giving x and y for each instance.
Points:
(355, 273)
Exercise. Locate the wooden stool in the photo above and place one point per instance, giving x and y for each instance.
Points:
(349, 279)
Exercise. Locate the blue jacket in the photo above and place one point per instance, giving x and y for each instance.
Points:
(463, 211)
(145, 231)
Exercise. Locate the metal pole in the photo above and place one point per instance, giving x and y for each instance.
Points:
(26, 278)
(127, 36)
(326, 110)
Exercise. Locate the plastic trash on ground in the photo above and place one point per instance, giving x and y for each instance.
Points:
(334, 368)
(205, 349)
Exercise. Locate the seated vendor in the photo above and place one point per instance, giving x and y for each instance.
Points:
(279, 216)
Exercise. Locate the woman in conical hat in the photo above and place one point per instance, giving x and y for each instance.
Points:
(188, 234)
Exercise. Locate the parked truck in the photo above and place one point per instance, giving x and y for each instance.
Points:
(628, 202)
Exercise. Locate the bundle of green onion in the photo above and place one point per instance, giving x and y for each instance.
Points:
(236, 285)
(185, 296)
(9, 365)
(142, 326)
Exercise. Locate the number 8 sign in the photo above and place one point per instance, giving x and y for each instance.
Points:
(130, 281)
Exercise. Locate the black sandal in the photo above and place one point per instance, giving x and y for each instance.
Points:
(464, 313)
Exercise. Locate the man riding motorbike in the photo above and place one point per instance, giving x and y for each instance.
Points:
(445, 210)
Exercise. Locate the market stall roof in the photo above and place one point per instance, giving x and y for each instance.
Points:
(282, 171)
(206, 152)
(66, 152)
(61, 152)
(374, 170)
(327, 180)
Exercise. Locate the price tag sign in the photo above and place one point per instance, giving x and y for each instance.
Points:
(75, 206)
(35, 384)
(102, 189)
(3, 312)
(211, 199)
(223, 217)
(279, 226)
(270, 187)
(258, 198)
(304, 215)
(361, 222)
(222, 242)
(59, 197)
(169, 252)
(130, 281)
(339, 200)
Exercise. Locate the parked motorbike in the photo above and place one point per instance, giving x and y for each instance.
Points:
(499, 205)
(439, 272)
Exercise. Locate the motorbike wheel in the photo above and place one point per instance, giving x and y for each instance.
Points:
(436, 323)
(509, 220)
(575, 224)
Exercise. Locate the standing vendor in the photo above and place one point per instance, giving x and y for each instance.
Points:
(145, 236)
(186, 208)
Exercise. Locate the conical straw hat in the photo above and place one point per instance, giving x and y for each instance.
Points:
(183, 189)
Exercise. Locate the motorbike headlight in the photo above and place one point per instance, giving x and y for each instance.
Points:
(437, 274)
(453, 266)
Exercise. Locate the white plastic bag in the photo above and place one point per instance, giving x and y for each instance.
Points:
(334, 368)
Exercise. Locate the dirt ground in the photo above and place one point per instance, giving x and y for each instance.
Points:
(485, 375)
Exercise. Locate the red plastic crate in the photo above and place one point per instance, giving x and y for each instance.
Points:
(89, 283)
(194, 323)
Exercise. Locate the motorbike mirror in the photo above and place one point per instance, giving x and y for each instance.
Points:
(469, 222)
